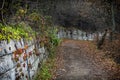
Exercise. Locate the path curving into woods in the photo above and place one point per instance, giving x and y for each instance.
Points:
(81, 61)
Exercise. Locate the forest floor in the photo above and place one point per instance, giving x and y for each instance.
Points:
(80, 60)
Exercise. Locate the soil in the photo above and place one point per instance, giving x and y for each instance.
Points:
(80, 60)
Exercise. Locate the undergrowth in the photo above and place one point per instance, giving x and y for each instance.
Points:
(112, 51)
(44, 73)
(16, 31)
(46, 70)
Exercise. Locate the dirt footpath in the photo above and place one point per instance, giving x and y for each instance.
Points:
(81, 62)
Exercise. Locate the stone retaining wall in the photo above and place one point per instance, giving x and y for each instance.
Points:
(9, 69)
(78, 34)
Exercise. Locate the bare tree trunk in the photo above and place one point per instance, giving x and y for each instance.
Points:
(110, 32)
(96, 37)
(113, 21)
(113, 15)
(101, 41)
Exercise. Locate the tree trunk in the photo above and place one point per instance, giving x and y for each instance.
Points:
(101, 41)
(113, 15)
